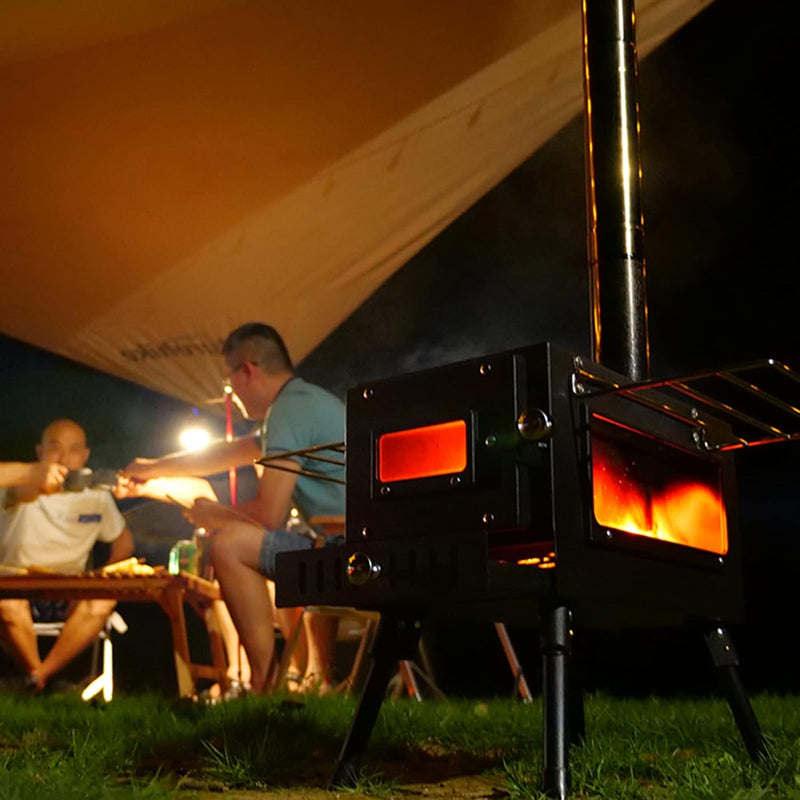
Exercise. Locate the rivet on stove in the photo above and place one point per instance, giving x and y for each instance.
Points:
(455, 480)
(386, 490)
(366, 394)
(488, 518)
(365, 531)
(609, 534)
(485, 369)
(490, 440)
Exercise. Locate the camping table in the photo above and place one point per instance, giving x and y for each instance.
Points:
(169, 591)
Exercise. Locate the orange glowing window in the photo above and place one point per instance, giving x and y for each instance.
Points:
(655, 491)
(423, 452)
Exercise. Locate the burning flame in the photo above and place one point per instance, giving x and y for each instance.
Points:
(675, 508)
(540, 562)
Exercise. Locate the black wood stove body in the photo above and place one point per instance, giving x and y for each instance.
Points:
(484, 484)
(531, 486)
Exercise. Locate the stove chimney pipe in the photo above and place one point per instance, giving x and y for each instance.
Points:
(615, 223)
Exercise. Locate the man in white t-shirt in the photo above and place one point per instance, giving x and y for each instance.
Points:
(57, 531)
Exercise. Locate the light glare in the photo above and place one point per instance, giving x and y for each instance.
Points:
(194, 438)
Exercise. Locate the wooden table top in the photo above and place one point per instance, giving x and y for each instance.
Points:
(115, 585)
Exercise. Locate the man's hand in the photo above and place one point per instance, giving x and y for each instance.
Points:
(207, 514)
(47, 477)
(130, 487)
(212, 516)
(142, 469)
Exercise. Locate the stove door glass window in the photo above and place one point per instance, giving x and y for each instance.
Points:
(650, 488)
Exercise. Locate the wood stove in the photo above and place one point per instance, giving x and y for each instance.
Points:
(534, 485)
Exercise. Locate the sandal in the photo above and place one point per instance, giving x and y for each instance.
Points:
(312, 684)
(294, 682)
(213, 695)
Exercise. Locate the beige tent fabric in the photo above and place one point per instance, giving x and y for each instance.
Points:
(172, 170)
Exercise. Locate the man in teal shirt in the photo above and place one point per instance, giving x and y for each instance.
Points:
(297, 415)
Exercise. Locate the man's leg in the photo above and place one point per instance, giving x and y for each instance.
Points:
(235, 554)
(17, 633)
(238, 665)
(85, 621)
(321, 632)
(287, 619)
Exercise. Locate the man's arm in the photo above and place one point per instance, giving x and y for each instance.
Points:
(121, 547)
(216, 457)
(274, 499)
(181, 490)
(269, 509)
(42, 475)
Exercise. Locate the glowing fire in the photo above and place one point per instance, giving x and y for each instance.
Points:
(540, 562)
(647, 498)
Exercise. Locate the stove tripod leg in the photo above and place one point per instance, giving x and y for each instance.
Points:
(727, 666)
(396, 639)
(555, 700)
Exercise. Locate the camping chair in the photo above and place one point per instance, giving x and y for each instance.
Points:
(102, 680)
(356, 626)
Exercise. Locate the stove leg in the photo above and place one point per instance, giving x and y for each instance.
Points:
(555, 700)
(577, 717)
(396, 639)
(727, 666)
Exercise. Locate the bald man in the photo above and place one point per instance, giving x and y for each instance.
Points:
(58, 531)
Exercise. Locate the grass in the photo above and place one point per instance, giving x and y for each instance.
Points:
(148, 747)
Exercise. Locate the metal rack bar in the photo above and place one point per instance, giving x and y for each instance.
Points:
(686, 388)
(310, 453)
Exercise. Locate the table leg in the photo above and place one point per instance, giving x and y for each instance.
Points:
(208, 612)
(172, 602)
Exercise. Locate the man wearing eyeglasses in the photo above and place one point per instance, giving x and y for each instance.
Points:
(296, 415)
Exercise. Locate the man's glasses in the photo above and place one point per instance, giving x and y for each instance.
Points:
(227, 382)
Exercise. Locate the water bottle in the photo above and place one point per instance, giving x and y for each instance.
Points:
(183, 557)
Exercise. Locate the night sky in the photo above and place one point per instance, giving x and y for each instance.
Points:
(723, 283)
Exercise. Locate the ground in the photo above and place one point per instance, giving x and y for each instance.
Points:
(453, 777)
(464, 787)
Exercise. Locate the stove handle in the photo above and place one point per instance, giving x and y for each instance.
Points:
(361, 569)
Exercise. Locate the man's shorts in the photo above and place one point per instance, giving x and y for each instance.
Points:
(49, 610)
(282, 541)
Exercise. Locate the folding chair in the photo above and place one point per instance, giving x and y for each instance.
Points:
(357, 626)
(102, 680)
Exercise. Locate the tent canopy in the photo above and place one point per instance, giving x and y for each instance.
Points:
(173, 169)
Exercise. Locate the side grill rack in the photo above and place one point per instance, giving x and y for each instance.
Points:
(313, 453)
(760, 400)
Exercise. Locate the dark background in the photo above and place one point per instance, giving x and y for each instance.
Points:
(723, 284)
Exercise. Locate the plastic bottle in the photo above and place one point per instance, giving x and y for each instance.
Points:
(183, 557)
(202, 541)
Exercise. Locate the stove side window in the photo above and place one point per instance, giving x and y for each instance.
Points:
(649, 488)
